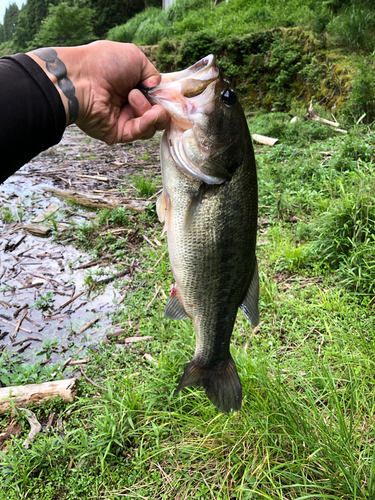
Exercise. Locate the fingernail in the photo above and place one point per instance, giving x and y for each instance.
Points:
(153, 81)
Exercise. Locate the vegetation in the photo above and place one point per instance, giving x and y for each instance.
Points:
(305, 430)
(63, 22)
(307, 372)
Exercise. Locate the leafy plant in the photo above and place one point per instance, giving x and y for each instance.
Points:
(145, 186)
(44, 303)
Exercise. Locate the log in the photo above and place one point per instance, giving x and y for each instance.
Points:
(24, 395)
(262, 139)
(92, 201)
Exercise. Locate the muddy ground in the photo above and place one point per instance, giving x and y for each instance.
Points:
(45, 304)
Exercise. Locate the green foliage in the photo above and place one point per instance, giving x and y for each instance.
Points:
(143, 29)
(114, 217)
(354, 27)
(362, 96)
(66, 26)
(6, 214)
(145, 186)
(44, 303)
(13, 371)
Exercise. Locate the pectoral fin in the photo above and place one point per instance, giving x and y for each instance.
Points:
(250, 304)
(163, 209)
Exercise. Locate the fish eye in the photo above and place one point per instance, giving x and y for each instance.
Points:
(229, 98)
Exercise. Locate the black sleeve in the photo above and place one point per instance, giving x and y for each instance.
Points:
(32, 115)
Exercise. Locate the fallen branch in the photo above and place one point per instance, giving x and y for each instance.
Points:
(311, 115)
(18, 326)
(92, 201)
(14, 326)
(79, 362)
(116, 334)
(130, 340)
(95, 177)
(70, 301)
(24, 395)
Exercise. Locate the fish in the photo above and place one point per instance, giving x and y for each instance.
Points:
(209, 206)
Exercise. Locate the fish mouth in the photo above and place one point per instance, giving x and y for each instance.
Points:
(186, 93)
(189, 82)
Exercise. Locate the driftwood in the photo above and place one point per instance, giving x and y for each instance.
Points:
(51, 209)
(92, 201)
(24, 395)
(37, 229)
(262, 139)
(311, 115)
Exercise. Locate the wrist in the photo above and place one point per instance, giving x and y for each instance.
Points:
(63, 68)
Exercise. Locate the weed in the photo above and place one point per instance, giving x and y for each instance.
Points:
(145, 186)
(6, 214)
(44, 303)
(113, 217)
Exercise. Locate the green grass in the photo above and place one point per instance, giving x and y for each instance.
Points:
(306, 426)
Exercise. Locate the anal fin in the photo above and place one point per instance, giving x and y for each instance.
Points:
(251, 302)
(174, 309)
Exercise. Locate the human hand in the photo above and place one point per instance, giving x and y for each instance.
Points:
(96, 83)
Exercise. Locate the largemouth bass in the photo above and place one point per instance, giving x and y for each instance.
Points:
(209, 205)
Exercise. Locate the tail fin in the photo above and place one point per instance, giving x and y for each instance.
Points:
(221, 383)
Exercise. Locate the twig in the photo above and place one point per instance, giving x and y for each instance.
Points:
(91, 381)
(116, 334)
(17, 311)
(157, 262)
(88, 324)
(149, 241)
(90, 264)
(18, 326)
(79, 362)
(153, 298)
(112, 278)
(70, 301)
